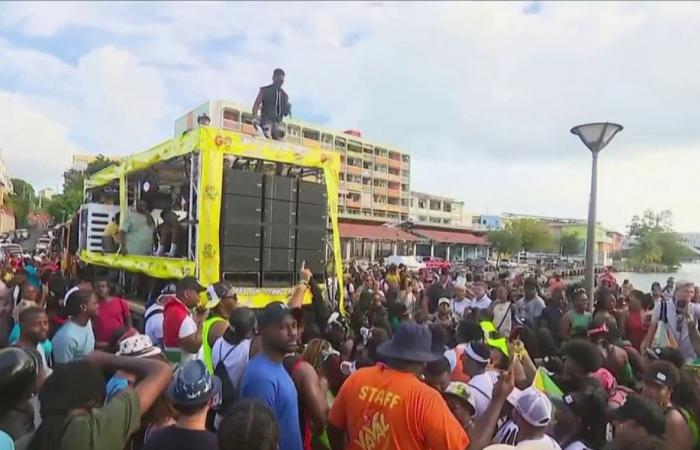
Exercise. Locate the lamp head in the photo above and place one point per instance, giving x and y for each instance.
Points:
(596, 135)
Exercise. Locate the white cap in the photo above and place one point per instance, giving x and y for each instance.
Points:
(534, 407)
(443, 300)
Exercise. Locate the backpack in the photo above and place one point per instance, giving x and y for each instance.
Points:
(229, 393)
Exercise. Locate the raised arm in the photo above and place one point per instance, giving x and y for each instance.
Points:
(154, 376)
(257, 103)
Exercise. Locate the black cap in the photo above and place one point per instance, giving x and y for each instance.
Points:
(274, 312)
(242, 321)
(587, 404)
(664, 375)
(670, 354)
(190, 284)
(647, 414)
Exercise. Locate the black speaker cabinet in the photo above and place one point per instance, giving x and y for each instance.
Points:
(241, 209)
(313, 258)
(242, 235)
(280, 188)
(278, 235)
(310, 238)
(280, 212)
(240, 259)
(314, 193)
(239, 182)
(278, 259)
(313, 215)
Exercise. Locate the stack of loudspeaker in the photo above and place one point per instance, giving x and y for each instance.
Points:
(269, 225)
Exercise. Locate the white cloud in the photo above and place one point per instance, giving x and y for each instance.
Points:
(477, 92)
(36, 147)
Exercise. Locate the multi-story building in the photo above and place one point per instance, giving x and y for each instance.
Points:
(46, 193)
(428, 208)
(486, 222)
(374, 178)
(7, 218)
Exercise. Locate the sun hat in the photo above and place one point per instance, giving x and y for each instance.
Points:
(137, 346)
(534, 407)
(461, 391)
(193, 385)
(410, 342)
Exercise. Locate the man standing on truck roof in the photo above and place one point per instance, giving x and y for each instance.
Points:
(275, 106)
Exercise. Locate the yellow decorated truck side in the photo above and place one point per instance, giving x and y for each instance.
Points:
(190, 170)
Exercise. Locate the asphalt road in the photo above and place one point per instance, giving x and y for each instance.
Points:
(34, 235)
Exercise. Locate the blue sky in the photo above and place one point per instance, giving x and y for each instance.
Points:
(481, 93)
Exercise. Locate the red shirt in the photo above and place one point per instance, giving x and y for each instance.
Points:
(111, 316)
(174, 313)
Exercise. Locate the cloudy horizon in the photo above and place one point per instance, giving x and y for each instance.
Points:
(482, 95)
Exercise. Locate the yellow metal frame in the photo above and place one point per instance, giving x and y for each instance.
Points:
(213, 145)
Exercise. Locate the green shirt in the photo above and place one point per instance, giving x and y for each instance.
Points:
(138, 230)
(106, 428)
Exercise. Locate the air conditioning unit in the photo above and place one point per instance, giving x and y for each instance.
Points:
(94, 218)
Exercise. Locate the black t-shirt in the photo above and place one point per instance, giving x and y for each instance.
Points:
(174, 438)
(435, 292)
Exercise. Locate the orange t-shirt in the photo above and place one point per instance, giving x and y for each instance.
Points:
(383, 409)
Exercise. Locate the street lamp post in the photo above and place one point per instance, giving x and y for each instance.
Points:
(595, 136)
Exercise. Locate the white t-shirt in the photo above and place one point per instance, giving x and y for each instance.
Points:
(683, 338)
(459, 306)
(154, 324)
(235, 358)
(481, 387)
(577, 445)
(545, 443)
(47, 370)
(507, 434)
(503, 318)
(482, 303)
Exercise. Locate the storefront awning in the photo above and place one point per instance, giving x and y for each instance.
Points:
(376, 232)
(450, 237)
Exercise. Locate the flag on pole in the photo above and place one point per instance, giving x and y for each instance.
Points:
(544, 383)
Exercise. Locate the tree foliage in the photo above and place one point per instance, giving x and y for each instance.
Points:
(521, 234)
(535, 235)
(63, 206)
(22, 201)
(505, 241)
(655, 241)
(571, 244)
(661, 222)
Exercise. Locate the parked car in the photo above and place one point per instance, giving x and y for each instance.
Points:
(435, 263)
(411, 262)
(10, 250)
(43, 244)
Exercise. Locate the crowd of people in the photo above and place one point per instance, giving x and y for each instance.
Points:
(416, 360)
